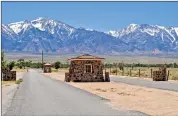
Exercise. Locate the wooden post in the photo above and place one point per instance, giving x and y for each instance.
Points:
(151, 73)
(168, 75)
(42, 60)
(123, 72)
(139, 72)
(132, 66)
(130, 72)
(116, 70)
(110, 69)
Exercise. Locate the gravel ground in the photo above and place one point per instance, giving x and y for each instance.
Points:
(165, 85)
(39, 95)
(7, 95)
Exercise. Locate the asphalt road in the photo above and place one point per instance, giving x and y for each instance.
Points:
(38, 95)
(165, 85)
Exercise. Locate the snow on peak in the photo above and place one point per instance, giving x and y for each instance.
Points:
(113, 33)
(161, 27)
(176, 30)
(39, 19)
(7, 30)
(132, 27)
(152, 30)
(133, 24)
(18, 26)
(45, 24)
(88, 29)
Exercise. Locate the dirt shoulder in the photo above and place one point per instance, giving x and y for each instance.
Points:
(148, 100)
(8, 90)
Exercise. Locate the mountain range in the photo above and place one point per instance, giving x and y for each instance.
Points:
(57, 37)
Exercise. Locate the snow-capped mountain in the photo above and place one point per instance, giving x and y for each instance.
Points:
(55, 36)
(148, 37)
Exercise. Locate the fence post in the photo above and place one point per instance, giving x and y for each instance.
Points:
(110, 68)
(139, 72)
(130, 72)
(168, 76)
(123, 72)
(116, 70)
(2, 76)
(151, 73)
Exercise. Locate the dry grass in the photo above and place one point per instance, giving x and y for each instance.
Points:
(144, 72)
(63, 70)
(19, 70)
(7, 83)
(18, 81)
(54, 70)
(60, 70)
(109, 59)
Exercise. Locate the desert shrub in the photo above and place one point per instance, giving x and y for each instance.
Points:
(175, 78)
(3, 61)
(57, 65)
(21, 63)
(114, 71)
(11, 65)
(18, 81)
(54, 70)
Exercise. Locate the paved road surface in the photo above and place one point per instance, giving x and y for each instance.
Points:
(41, 96)
(165, 85)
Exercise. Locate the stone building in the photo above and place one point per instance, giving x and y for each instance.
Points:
(47, 68)
(86, 68)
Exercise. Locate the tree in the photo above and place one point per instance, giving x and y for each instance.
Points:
(57, 65)
(21, 63)
(28, 63)
(175, 65)
(11, 65)
(3, 62)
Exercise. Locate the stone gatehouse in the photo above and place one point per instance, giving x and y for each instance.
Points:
(86, 68)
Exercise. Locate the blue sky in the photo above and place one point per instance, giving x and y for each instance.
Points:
(101, 16)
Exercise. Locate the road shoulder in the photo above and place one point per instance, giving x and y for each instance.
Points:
(9, 89)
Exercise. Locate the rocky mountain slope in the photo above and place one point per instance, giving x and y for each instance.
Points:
(149, 37)
(55, 36)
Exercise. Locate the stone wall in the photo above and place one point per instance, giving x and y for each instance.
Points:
(77, 71)
(160, 75)
(47, 69)
(8, 75)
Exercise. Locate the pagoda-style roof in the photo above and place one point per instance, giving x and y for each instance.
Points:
(86, 57)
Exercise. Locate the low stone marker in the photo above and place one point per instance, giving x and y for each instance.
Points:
(8, 75)
(107, 79)
(160, 75)
(67, 77)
